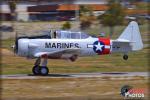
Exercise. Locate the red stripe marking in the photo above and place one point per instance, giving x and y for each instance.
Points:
(105, 40)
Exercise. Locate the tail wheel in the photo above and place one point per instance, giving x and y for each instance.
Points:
(44, 70)
(125, 57)
(36, 70)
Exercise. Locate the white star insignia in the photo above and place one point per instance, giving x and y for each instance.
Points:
(99, 46)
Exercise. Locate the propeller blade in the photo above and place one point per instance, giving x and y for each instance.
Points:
(16, 43)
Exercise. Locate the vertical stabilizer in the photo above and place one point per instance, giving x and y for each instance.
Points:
(132, 34)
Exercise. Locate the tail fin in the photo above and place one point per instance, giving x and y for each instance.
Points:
(132, 34)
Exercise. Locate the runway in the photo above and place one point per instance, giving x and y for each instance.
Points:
(77, 75)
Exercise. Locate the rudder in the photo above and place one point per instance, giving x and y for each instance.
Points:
(132, 34)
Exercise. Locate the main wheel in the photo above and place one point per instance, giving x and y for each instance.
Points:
(125, 57)
(44, 70)
(36, 70)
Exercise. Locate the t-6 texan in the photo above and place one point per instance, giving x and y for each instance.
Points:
(71, 45)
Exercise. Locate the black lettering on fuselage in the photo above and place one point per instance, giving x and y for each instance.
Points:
(77, 45)
(47, 45)
(71, 45)
(61, 45)
(53, 45)
(65, 45)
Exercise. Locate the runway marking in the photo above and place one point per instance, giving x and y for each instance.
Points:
(76, 75)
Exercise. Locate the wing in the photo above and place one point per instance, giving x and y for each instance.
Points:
(59, 53)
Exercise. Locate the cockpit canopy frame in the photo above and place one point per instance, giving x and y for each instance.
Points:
(59, 34)
(62, 34)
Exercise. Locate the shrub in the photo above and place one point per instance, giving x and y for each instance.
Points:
(66, 26)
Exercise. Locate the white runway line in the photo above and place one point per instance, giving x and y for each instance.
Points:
(77, 75)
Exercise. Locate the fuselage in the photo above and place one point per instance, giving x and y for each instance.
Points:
(88, 47)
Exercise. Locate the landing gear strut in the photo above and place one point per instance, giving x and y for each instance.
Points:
(40, 70)
(125, 57)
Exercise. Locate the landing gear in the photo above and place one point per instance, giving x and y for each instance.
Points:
(125, 57)
(44, 70)
(36, 70)
(40, 70)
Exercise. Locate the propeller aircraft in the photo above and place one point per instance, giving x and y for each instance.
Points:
(70, 45)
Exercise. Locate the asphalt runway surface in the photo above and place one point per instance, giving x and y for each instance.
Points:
(77, 75)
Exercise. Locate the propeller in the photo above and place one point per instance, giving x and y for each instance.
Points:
(16, 43)
(15, 46)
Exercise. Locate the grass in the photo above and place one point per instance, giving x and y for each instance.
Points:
(7, 43)
(106, 63)
(69, 88)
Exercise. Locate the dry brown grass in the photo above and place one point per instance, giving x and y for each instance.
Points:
(60, 88)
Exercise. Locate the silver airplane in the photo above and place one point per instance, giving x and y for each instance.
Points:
(71, 45)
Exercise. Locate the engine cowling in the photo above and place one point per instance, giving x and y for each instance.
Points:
(23, 47)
